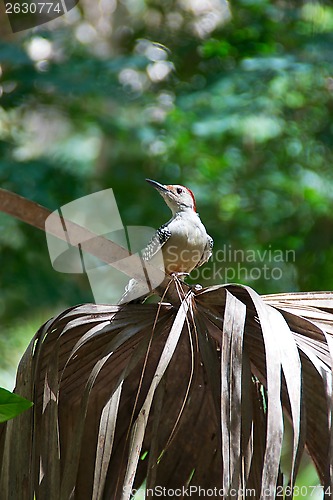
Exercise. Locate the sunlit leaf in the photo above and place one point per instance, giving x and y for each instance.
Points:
(198, 388)
(11, 404)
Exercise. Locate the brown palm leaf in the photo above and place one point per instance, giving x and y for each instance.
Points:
(189, 395)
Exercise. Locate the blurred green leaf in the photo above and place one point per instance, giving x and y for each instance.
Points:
(11, 405)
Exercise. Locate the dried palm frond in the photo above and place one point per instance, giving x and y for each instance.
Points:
(182, 395)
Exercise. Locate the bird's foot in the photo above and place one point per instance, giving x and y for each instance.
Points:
(178, 275)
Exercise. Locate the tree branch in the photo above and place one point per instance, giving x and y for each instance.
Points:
(107, 251)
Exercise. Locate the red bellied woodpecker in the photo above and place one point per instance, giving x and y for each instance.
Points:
(183, 240)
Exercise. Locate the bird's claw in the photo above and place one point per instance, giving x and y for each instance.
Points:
(178, 275)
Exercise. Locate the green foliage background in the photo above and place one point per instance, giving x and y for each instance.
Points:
(233, 100)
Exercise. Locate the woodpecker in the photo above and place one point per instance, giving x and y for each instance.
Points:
(183, 240)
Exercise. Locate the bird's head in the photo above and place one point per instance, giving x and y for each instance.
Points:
(178, 198)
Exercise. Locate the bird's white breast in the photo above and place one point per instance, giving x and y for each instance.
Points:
(185, 247)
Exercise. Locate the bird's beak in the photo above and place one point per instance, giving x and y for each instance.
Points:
(158, 186)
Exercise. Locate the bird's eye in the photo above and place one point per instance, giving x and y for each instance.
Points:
(179, 190)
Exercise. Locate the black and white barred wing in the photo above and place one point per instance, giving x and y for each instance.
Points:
(155, 245)
(152, 253)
